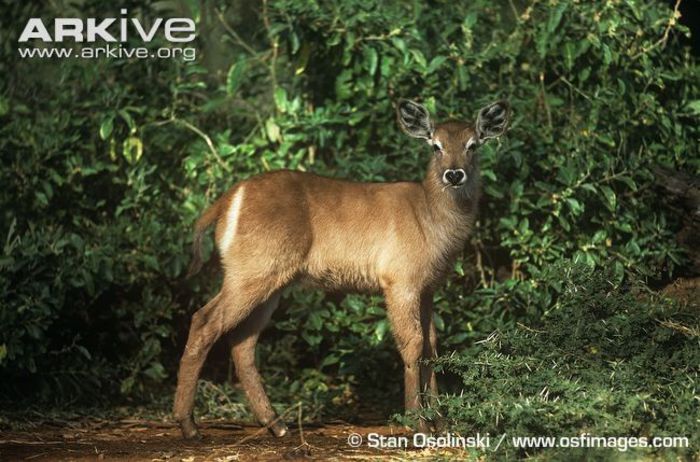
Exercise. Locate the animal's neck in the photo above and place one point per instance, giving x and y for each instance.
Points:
(451, 211)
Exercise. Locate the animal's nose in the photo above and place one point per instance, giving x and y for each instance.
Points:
(454, 177)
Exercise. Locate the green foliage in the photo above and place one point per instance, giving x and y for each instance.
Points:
(605, 359)
(107, 163)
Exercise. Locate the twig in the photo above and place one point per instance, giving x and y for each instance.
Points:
(529, 329)
(306, 447)
(235, 35)
(206, 138)
(41, 443)
(267, 427)
(515, 273)
(516, 15)
(662, 41)
(546, 106)
(200, 133)
(480, 266)
(301, 429)
(574, 87)
(275, 47)
(380, 37)
(685, 330)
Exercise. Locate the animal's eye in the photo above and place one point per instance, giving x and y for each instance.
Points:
(437, 147)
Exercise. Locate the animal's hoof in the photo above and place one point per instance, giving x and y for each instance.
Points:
(279, 429)
(189, 430)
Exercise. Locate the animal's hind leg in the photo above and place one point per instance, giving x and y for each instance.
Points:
(227, 310)
(243, 355)
(201, 337)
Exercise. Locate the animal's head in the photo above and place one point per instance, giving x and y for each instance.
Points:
(454, 142)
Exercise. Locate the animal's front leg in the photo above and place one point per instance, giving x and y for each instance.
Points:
(428, 380)
(403, 309)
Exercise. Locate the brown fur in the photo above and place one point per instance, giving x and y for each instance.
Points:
(399, 239)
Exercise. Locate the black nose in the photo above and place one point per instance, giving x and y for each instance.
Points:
(454, 177)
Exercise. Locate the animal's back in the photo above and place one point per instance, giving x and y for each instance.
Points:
(336, 233)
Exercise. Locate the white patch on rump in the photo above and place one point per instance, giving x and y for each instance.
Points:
(231, 221)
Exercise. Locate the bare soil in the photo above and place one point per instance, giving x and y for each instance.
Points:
(151, 440)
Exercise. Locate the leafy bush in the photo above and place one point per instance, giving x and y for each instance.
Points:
(107, 163)
(605, 359)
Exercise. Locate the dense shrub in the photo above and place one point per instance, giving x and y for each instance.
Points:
(107, 163)
(606, 360)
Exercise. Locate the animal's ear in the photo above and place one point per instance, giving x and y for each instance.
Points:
(414, 119)
(492, 120)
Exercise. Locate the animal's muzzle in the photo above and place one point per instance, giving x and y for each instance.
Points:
(454, 177)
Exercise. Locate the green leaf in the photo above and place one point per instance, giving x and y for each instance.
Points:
(610, 198)
(380, 330)
(273, 130)
(435, 64)
(694, 107)
(295, 42)
(400, 44)
(315, 321)
(607, 54)
(106, 127)
(568, 51)
(574, 205)
(330, 360)
(457, 338)
(155, 372)
(312, 340)
(419, 57)
(129, 120)
(439, 322)
(83, 351)
(619, 271)
(234, 77)
(629, 182)
(226, 149)
(127, 384)
(371, 60)
(459, 267)
(132, 149)
(555, 17)
(281, 99)
(343, 83)
(4, 109)
(599, 236)
(524, 226)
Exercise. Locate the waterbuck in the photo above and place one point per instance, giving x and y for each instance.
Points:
(399, 239)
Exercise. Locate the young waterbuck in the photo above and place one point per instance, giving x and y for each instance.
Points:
(399, 239)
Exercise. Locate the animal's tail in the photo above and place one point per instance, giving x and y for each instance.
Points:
(209, 216)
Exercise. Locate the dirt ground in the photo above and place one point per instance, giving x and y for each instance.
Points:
(144, 440)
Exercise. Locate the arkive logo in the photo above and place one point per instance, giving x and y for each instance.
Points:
(177, 30)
